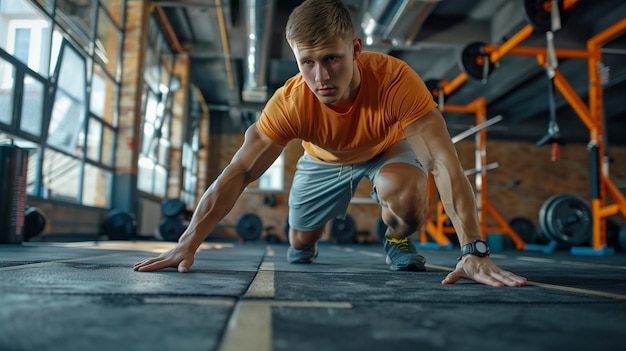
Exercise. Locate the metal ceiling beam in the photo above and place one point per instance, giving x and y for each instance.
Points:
(258, 19)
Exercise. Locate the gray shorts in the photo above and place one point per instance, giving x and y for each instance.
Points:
(322, 191)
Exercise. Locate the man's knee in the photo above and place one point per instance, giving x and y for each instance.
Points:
(402, 190)
(301, 240)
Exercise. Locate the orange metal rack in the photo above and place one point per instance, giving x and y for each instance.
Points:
(591, 115)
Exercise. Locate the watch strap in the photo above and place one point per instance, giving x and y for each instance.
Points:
(470, 248)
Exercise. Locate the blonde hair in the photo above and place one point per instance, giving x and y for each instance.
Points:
(316, 22)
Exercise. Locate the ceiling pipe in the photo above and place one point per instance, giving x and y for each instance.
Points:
(225, 46)
(395, 22)
(258, 19)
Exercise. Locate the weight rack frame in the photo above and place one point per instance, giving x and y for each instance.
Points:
(591, 115)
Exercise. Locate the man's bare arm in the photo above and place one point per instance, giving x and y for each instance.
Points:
(431, 142)
(433, 146)
(255, 156)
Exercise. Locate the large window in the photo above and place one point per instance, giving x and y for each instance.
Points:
(33, 99)
(154, 159)
(26, 34)
(191, 147)
(69, 109)
(78, 17)
(46, 105)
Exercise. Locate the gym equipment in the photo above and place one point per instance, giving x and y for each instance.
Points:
(249, 226)
(171, 228)
(342, 230)
(172, 207)
(567, 219)
(175, 219)
(525, 228)
(13, 170)
(544, 15)
(475, 62)
(476, 128)
(119, 225)
(34, 222)
(553, 135)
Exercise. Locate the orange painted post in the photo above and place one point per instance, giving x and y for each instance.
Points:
(596, 110)
(569, 94)
(479, 108)
(449, 87)
(480, 162)
(514, 41)
(536, 51)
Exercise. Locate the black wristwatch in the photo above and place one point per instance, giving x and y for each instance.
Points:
(479, 248)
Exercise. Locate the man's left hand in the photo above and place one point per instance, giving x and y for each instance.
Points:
(483, 270)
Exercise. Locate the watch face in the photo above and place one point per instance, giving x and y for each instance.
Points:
(480, 246)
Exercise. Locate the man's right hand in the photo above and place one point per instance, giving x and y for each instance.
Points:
(178, 257)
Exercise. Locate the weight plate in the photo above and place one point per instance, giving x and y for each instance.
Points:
(569, 220)
(381, 229)
(249, 226)
(119, 225)
(343, 230)
(538, 13)
(473, 60)
(34, 222)
(544, 231)
(171, 228)
(524, 228)
(172, 207)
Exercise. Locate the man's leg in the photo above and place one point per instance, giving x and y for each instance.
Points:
(404, 210)
(319, 192)
(401, 189)
(303, 245)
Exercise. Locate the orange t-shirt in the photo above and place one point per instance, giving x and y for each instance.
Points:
(391, 96)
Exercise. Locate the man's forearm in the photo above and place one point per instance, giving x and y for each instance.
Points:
(216, 202)
(458, 201)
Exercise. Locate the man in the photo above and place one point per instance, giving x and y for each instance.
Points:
(358, 114)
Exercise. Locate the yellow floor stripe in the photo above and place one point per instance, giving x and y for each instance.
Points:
(263, 284)
(553, 286)
(578, 290)
(439, 268)
(249, 328)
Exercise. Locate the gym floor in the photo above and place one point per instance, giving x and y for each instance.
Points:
(244, 296)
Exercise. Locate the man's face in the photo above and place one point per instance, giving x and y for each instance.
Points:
(329, 69)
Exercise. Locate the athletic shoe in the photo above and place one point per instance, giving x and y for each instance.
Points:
(301, 256)
(402, 255)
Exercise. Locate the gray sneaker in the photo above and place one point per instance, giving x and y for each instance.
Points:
(301, 256)
(402, 255)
